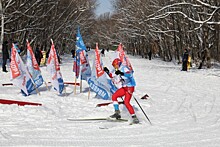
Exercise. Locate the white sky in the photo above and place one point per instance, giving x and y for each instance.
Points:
(105, 6)
(184, 108)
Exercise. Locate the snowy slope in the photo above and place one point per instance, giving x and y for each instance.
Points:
(184, 108)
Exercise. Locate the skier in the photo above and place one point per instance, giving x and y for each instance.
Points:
(127, 89)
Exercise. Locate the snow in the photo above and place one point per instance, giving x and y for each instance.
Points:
(184, 108)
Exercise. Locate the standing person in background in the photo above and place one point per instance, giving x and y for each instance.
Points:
(185, 60)
(150, 54)
(73, 53)
(5, 55)
(38, 55)
(127, 89)
(103, 52)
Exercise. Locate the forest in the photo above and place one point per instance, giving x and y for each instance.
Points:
(163, 27)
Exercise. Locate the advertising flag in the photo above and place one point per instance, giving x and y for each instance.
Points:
(81, 63)
(80, 46)
(121, 55)
(85, 66)
(19, 74)
(33, 67)
(99, 82)
(54, 69)
(98, 67)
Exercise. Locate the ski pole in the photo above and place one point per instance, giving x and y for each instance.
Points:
(142, 110)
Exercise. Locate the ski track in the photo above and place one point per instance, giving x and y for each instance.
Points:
(182, 112)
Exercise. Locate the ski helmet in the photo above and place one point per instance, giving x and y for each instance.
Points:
(117, 61)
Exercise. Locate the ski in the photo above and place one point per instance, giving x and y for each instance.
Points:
(97, 119)
(108, 103)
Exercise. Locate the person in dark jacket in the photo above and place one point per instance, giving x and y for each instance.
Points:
(5, 55)
(185, 60)
(103, 52)
(38, 55)
(73, 53)
(150, 54)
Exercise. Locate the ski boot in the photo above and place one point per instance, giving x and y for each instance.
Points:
(116, 115)
(134, 119)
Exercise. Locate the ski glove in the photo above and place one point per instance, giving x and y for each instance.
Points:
(106, 70)
(118, 72)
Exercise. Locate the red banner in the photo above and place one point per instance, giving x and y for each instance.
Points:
(14, 65)
(99, 70)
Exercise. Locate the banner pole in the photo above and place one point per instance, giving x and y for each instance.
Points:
(46, 85)
(36, 89)
(81, 84)
(89, 93)
(65, 90)
(75, 86)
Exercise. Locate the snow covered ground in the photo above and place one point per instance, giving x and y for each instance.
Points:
(184, 108)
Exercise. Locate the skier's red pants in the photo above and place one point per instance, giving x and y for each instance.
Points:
(127, 92)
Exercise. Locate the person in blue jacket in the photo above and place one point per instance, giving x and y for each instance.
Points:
(127, 89)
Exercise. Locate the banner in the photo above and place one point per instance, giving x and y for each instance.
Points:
(121, 55)
(85, 66)
(33, 67)
(54, 69)
(19, 74)
(76, 65)
(98, 67)
(81, 63)
(80, 46)
(99, 82)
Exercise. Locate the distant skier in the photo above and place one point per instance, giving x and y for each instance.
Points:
(127, 89)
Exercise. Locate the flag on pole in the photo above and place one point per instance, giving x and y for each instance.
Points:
(80, 46)
(81, 63)
(85, 66)
(19, 74)
(54, 69)
(76, 65)
(99, 69)
(99, 82)
(33, 67)
(121, 55)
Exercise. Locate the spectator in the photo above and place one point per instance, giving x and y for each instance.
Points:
(38, 54)
(150, 55)
(5, 55)
(103, 52)
(185, 60)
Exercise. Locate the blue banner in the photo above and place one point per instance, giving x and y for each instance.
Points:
(100, 91)
(80, 46)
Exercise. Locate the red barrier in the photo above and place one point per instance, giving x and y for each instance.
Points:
(19, 103)
(68, 83)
